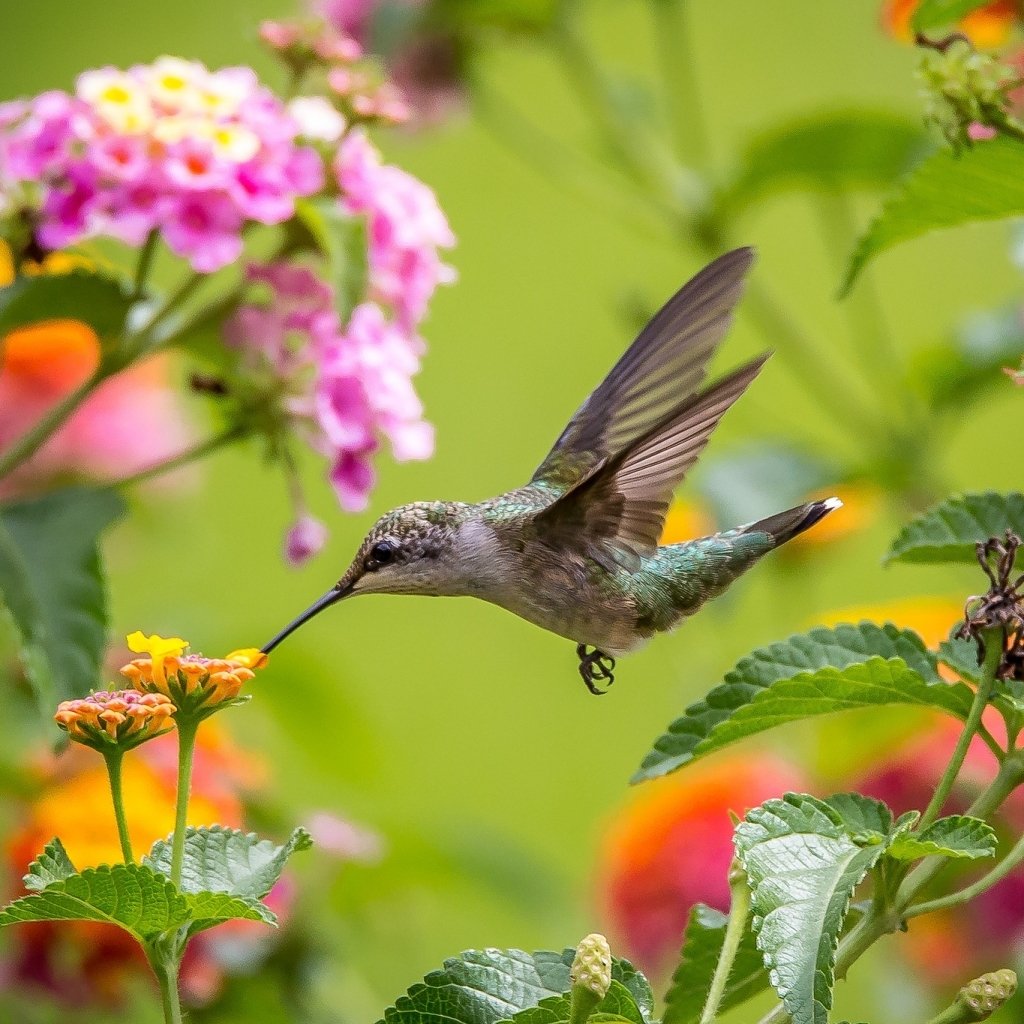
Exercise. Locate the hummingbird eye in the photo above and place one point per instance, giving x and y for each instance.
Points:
(380, 554)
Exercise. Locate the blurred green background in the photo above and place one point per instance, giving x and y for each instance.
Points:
(458, 732)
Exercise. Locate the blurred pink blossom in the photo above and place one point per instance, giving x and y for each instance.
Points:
(305, 539)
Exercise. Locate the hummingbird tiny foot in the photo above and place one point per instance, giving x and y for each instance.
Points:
(594, 665)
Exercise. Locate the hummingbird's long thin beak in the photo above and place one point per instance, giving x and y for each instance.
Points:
(332, 596)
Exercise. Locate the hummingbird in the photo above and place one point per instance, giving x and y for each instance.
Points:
(576, 550)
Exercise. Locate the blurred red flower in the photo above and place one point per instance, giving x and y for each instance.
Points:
(670, 847)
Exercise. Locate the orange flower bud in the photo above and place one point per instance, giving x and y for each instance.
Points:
(120, 719)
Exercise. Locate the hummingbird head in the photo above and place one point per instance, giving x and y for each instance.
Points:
(409, 550)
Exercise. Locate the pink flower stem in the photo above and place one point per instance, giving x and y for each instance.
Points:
(193, 454)
(32, 440)
(145, 264)
(113, 760)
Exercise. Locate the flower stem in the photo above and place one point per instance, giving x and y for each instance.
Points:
(113, 760)
(145, 264)
(165, 967)
(969, 892)
(739, 911)
(183, 458)
(186, 747)
(993, 654)
(30, 442)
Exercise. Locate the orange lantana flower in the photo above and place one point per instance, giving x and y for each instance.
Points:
(988, 26)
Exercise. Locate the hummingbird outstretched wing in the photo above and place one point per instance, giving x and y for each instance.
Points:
(616, 515)
(653, 379)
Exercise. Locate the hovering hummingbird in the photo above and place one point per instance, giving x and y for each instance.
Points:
(576, 550)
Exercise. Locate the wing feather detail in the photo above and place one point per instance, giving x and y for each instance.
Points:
(618, 512)
(664, 366)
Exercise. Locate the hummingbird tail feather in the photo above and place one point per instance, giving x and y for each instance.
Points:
(786, 525)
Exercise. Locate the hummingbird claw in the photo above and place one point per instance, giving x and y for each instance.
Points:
(595, 664)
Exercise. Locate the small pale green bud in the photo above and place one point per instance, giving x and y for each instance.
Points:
(962, 87)
(592, 966)
(983, 996)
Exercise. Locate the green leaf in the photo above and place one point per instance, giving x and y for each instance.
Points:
(936, 13)
(956, 836)
(52, 865)
(986, 182)
(865, 819)
(131, 896)
(702, 945)
(825, 670)
(487, 986)
(960, 370)
(52, 584)
(803, 870)
(617, 1005)
(94, 299)
(950, 531)
(224, 860)
(831, 151)
(341, 239)
(207, 909)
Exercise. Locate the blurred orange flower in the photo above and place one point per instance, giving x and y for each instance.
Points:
(132, 421)
(670, 847)
(930, 617)
(862, 505)
(988, 26)
(685, 521)
(86, 963)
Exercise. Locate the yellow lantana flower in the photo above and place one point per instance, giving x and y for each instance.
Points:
(158, 648)
(249, 657)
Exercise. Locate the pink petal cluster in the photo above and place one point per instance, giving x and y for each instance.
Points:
(171, 146)
(406, 229)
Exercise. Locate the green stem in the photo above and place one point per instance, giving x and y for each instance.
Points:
(192, 454)
(957, 1013)
(682, 96)
(969, 892)
(113, 760)
(186, 747)
(145, 264)
(739, 911)
(181, 294)
(166, 970)
(30, 442)
(993, 654)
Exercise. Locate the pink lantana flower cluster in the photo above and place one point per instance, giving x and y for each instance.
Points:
(169, 147)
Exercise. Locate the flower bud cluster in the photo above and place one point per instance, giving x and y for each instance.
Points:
(592, 966)
(983, 996)
(121, 719)
(964, 89)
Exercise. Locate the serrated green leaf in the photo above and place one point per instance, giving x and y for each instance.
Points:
(52, 865)
(803, 869)
(617, 1005)
(224, 860)
(340, 238)
(950, 531)
(207, 909)
(131, 896)
(827, 152)
(487, 986)
(937, 13)
(808, 674)
(94, 299)
(956, 836)
(945, 190)
(52, 584)
(866, 819)
(702, 946)
(962, 657)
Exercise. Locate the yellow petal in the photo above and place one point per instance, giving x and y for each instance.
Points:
(250, 657)
(157, 647)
